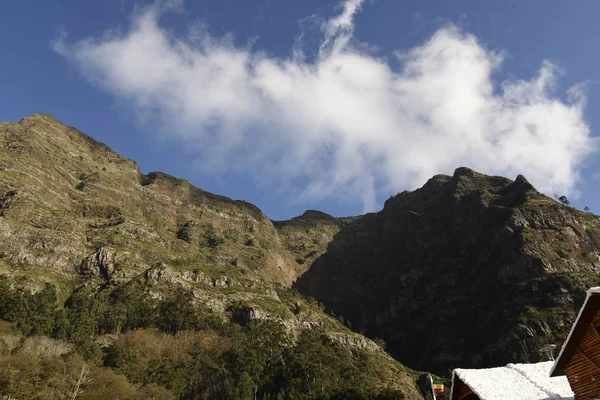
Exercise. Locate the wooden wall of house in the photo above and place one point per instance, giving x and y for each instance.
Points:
(583, 368)
(461, 391)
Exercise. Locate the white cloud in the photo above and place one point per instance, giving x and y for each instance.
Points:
(338, 30)
(345, 124)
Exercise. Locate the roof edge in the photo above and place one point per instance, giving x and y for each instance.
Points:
(452, 387)
(456, 375)
(564, 356)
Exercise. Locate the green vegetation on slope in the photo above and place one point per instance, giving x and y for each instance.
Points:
(136, 346)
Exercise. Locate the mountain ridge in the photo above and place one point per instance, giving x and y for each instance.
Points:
(469, 270)
(104, 260)
(447, 274)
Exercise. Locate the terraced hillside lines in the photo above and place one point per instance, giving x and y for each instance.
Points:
(64, 196)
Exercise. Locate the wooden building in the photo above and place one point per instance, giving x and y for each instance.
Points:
(579, 357)
(512, 382)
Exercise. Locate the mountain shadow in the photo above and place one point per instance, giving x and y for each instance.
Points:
(470, 270)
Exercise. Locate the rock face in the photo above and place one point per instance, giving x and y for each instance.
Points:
(64, 196)
(306, 237)
(101, 264)
(470, 270)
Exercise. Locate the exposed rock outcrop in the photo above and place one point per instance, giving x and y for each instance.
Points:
(101, 264)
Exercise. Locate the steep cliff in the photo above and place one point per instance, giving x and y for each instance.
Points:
(469, 270)
(91, 249)
(66, 196)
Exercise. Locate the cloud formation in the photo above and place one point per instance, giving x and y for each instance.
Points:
(347, 123)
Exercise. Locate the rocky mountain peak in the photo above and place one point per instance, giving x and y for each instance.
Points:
(465, 188)
(464, 171)
(314, 214)
(75, 196)
(472, 262)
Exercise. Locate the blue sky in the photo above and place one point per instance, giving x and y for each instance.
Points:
(328, 105)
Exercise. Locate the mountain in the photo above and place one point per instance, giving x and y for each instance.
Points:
(142, 284)
(469, 270)
(111, 279)
(64, 194)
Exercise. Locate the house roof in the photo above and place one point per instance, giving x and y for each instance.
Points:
(515, 382)
(588, 311)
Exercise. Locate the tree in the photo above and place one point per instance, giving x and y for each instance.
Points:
(564, 200)
(83, 379)
(177, 314)
(586, 209)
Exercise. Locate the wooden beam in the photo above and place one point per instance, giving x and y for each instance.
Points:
(586, 357)
(595, 331)
(587, 314)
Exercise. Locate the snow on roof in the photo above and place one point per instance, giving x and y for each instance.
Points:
(590, 291)
(516, 382)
